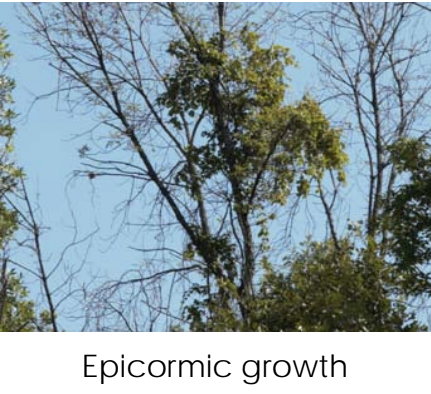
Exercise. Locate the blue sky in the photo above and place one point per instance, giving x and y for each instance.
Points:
(47, 151)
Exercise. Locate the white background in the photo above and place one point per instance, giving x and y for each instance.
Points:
(376, 363)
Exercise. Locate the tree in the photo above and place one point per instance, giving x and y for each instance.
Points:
(17, 310)
(197, 118)
(193, 112)
(333, 288)
(409, 208)
(373, 57)
(375, 72)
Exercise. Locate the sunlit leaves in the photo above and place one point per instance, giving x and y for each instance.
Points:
(270, 143)
(264, 147)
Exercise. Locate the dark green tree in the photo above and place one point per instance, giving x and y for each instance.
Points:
(409, 217)
(329, 288)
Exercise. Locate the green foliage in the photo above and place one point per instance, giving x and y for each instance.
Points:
(242, 90)
(330, 289)
(264, 148)
(8, 172)
(17, 312)
(225, 150)
(408, 218)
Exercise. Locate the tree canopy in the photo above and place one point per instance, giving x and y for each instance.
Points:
(196, 112)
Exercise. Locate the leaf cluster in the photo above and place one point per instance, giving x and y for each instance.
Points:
(332, 289)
